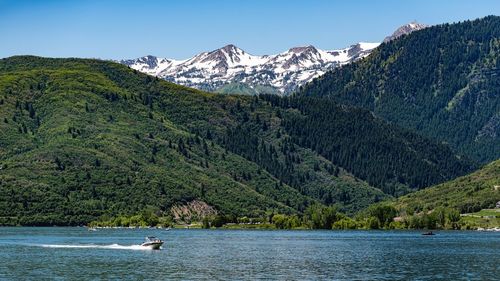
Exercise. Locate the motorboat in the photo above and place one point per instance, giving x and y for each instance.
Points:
(428, 233)
(152, 242)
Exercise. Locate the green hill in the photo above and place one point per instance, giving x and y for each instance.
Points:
(86, 139)
(441, 81)
(468, 202)
(467, 194)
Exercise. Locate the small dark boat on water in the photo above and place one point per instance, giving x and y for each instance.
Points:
(428, 233)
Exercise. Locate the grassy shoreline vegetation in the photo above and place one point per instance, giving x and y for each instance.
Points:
(377, 217)
(467, 202)
(381, 217)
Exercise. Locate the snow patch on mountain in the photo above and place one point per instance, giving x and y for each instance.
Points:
(284, 71)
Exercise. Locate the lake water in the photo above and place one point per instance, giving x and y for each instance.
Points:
(112, 254)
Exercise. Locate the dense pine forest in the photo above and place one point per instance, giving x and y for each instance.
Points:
(441, 81)
(86, 139)
(384, 155)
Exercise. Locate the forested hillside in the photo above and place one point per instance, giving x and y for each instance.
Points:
(467, 194)
(386, 156)
(82, 139)
(441, 81)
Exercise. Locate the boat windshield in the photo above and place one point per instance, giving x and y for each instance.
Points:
(151, 238)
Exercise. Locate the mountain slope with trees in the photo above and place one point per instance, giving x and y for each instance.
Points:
(441, 81)
(86, 139)
(393, 159)
(467, 194)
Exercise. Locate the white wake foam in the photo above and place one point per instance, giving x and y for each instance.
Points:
(93, 246)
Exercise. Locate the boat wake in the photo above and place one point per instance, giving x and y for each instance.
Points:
(93, 246)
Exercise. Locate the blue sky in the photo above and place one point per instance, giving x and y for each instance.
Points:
(114, 29)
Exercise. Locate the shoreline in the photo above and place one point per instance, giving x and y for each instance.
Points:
(493, 230)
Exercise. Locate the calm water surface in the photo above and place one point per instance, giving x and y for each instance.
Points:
(112, 254)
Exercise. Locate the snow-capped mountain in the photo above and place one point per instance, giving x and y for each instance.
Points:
(230, 64)
(282, 73)
(405, 29)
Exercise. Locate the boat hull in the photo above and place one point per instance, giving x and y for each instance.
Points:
(152, 245)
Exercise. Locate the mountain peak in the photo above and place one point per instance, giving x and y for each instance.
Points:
(414, 24)
(148, 61)
(405, 29)
(302, 49)
(230, 48)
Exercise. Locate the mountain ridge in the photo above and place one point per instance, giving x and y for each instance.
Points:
(222, 70)
(229, 64)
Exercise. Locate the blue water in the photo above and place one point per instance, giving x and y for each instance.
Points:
(112, 254)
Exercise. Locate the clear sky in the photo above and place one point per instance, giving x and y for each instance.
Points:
(116, 29)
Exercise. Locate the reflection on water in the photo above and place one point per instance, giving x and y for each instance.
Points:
(75, 253)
